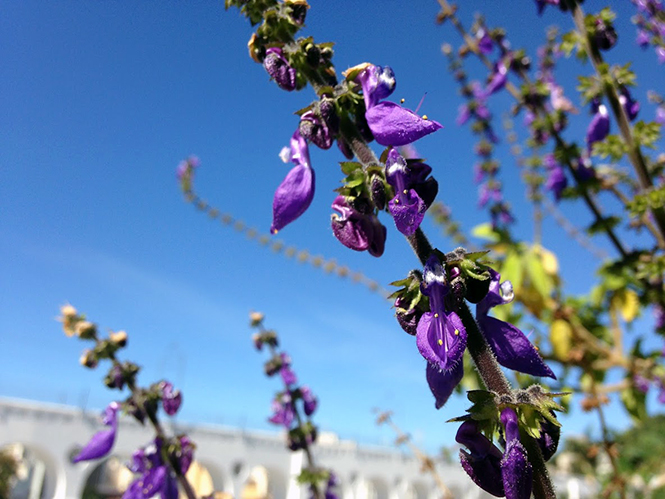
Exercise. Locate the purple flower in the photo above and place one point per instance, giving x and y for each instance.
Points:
(171, 399)
(390, 123)
(511, 347)
(314, 129)
(279, 69)
(295, 193)
(101, 442)
(283, 411)
(642, 38)
(357, 230)
(482, 461)
(288, 376)
(407, 207)
(485, 42)
(599, 127)
(440, 336)
(641, 383)
(660, 115)
(516, 469)
(660, 52)
(631, 106)
(584, 168)
(499, 77)
(155, 479)
(556, 179)
(185, 455)
(310, 402)
(605, 36)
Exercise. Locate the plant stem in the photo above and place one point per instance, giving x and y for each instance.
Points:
(634, 151)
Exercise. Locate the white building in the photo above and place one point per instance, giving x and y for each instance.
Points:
(248, 464)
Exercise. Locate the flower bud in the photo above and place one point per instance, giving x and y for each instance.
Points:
(256, 50)
(118, 338)
(85, 330)
(378, 192)
(171, 399)
(279, 69)
(298, 10)
(88, 359)
(604, 35)
(255, 318)
(115, 378)
(315, 130)
(329, 114)
(69, 318)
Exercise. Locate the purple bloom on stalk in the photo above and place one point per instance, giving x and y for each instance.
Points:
(485, 42)
(288, 376)
(101, 442)
(279, 69)
(599, 127)
(357, 230)
(407, 208)
(498, 78)
(511, 347)
(310, 402)
(630, 105)
(440, 336)
(295, 193)
(556, 179)
(171, 399)
(642, 38)
(641, 383)
(482, 461)
(155, 479)
(315, 129)
(516, 469)
(660, 115)
(283, 411)
(390, 123)
(186, 454)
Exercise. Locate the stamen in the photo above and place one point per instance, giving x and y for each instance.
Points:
(424, 116)
(420, 103)
(456, 332)
(401, 101)
(439, 341)
(436, 316)
(405, 191)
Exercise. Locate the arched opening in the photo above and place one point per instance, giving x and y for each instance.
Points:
(264, 483)
(372, 488)
(108, 480)
(36, 474)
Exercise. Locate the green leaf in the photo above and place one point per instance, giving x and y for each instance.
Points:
(485, 231)
(634, 401)
(646, 134)
(603, 225)
(537, 275)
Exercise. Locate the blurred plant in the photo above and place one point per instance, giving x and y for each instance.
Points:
(8, 471)
(427, 463)
(431, 304)
(163, 463)
(292, 409)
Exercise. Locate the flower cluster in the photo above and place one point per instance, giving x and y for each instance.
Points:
(650, 22)
(441, 335)
(157, 475)
(292, 409)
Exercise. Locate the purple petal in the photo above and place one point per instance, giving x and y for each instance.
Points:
(442, 383)
(288, 376)
(441, 339)
(485, 473)
(171, 399)
(516, 471)
(512, 348)
(642, 38)
(485, 42)
(408, 212)
(463, 114)
(355, 230)
(279, 69)
(292, 197)
(599, 127)
(394, 125)
(310, 402)
(377, 83)
(101, 442)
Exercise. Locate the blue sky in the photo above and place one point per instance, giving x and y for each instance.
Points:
(100, 100)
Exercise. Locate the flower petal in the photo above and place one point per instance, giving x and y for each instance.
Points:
(512, 348)
(485, 473)
(408, 212)
(98, 446)
(441, 339)
(292, 197)
(442, 383)
(516, 471)
(394, 125)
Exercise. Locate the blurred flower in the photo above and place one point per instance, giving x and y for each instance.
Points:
(101, 442)
(295, 193)
(357, 230)
(279, 69)
(171, 399)
(510, 346)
